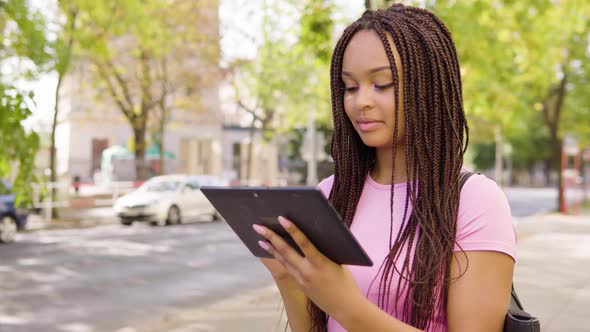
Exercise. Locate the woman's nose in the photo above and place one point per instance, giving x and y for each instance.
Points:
(365, 98)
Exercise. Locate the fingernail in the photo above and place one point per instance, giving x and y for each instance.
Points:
(284, 222)
(259, 229)
(264, 245)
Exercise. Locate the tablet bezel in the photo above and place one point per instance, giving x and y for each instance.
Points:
(306, 207)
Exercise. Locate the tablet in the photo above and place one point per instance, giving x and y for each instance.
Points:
(306, 207)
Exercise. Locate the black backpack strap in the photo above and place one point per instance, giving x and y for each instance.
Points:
(463, 177)
(515, 301)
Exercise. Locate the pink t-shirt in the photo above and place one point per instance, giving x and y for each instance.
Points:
(484, 223)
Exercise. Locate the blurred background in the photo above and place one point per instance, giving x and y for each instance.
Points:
(113, 113)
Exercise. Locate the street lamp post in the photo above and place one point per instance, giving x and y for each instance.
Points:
(312, 164)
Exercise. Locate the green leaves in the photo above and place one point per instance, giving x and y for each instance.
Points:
(289, 78)
(513, 54)
(17, 146)
(23, 32)
(23, 42)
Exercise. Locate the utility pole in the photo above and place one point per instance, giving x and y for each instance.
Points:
(499, 161)
(312, 160)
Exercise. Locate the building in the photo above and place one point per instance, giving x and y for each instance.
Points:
(264, 167)
(90, 120)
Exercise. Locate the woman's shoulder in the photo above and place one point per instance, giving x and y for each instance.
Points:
(326, 185)
(485, 220)
(481, 192)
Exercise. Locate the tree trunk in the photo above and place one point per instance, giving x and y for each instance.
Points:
(62, 67)
(164, 114)
(160, 141)
(141, 169)
(551, 112)
(52, 156)
(161, 152)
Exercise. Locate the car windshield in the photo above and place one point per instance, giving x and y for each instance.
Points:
(161, 186)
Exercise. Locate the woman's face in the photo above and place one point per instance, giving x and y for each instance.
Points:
(369, 99)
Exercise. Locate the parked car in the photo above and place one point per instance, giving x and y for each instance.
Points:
(168, 200)
(11, 218)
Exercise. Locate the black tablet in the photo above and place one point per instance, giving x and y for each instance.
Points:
(306, 207)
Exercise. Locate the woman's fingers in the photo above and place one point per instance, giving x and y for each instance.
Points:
(289, 269)
(308, 248)
(277, 245)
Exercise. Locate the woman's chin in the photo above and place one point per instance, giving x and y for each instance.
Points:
(375, 142)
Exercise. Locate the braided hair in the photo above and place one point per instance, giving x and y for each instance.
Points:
(436, 138)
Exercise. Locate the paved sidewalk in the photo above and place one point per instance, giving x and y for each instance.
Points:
(552, 275)
(259, 310)
(74, 218)
(552, 278)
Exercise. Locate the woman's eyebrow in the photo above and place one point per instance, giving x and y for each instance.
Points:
(370, 71)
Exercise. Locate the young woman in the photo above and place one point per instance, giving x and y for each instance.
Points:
(443, 258)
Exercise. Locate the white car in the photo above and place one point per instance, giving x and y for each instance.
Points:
(168, 200)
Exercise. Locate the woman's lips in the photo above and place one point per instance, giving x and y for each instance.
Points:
(368, 125)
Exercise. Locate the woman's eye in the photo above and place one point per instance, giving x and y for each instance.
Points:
(384, 86)
(351, 89)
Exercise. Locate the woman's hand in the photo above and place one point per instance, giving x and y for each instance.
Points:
(277, 270)
(329, 285)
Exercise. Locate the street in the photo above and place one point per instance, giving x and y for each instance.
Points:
(116, 278)
(111, 277)
(528, 201)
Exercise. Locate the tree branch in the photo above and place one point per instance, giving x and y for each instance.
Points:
(125, 109)
(553, 104)
(64, 63)
(164, 88)
(560, 95)
(250, 111)
(147, 101)
(121, 82)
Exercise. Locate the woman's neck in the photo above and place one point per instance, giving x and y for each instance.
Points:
(381, 172)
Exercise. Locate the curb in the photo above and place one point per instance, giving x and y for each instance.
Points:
(37, 223)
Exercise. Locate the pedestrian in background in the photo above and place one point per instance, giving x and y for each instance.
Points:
(444, 256)
(76, 184)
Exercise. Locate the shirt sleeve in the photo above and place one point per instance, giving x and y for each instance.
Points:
(326, 185)
(485, 220)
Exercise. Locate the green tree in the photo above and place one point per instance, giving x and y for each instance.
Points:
(288, 81)
(179, 84)
(22, 52)
(311, 71)
(120, 41)
(134, 48)
(523, 63)
(17, 146)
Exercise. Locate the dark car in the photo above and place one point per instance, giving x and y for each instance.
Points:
(11, 218)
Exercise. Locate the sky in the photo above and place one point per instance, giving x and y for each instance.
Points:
(236, 26)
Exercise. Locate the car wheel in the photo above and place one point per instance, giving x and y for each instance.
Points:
(174, 216)
(159, 223)
(126, 222)
(215, 217)
(8, 229)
